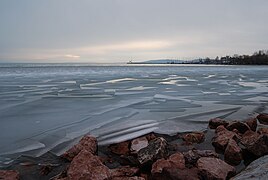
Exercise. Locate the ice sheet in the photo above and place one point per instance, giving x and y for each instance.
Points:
(48, 108)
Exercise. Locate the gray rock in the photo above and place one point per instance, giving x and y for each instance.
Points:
(255, 170)
(156, 149)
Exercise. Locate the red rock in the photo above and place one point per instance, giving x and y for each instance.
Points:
(88, 143)
(213, 168)
(9, 175)
(252, 123)
(192, 156)
(177, 174)
(263, 118)
(263, 131)
(222, 137)
(214, 123)
(233, 153)
(138, 143)
(240, 126)
(156, 149)
(87, 166)
(255, 143)
(120, 148)
(220, 128)
(175, 161)
(194, 137)
(124, 171)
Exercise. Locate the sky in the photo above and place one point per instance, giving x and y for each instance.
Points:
(114, 31)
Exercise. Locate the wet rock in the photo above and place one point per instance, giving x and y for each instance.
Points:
(45, 169)
(150, 136)
(233, 153)
(222, 137)
(175, 161)
(194, 137)
(138, 143)
(213, 168)
(87, 166)
(124, 171)
(255, 170)
(252, 123)
(263, 118)
(156, 149)
(120, 148)
(255, 143)
(177, 174)
(240, 126)
(192, 156)
(88, 143)
(263, 130)
(214, 123)
(9, 175)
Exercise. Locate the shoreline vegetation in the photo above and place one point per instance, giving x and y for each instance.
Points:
(227, 149)
(257, 58)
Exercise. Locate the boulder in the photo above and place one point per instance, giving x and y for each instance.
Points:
(255, 143)
(9, 175)
(194, 137)
(88, 143)
(124, 171)
(121, 148)
(233, 153)
(177, 174)
(263, 118)
(263, 130)
(214, 168)
(215, 122)
(156, 149)
(175, 161)
(240, 126)
(255, 170)
(222, 137)
(138, 143)
(87, 166)
(192, 156)
(252, 123)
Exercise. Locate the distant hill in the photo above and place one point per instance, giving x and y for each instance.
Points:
(159, 61)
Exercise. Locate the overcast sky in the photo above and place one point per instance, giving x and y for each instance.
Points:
(120, 30)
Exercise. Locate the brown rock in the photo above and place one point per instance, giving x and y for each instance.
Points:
(9, 175)
(120, 148)
(222, 137)
(192, 156)
(214, 123)
(150, 136)
(233, 153)
(175, 161)
(213, 168)
(263, 118)
(252, 123)
(124, 171)
(263, 131)
(255, 143)
(240, 126)
(138, 143)
(194, 137)
(87, 166)
(88, 143)
(177, 174)
(220, 128)
(156, 149)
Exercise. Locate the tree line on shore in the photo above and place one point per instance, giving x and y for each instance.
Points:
(257, 58)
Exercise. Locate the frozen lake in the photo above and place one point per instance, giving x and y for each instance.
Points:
(48, 107)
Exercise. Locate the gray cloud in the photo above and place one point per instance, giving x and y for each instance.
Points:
(69, 30)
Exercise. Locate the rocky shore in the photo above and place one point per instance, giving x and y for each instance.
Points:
(226, 150)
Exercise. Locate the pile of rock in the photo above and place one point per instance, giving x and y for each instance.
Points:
(151, 157)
